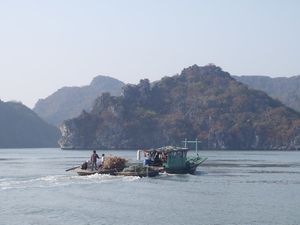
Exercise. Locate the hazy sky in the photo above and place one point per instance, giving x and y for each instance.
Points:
(45, 45)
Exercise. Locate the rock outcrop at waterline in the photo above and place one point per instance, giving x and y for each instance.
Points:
(202, 102)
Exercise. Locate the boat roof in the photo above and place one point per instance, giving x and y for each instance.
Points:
(167, 149)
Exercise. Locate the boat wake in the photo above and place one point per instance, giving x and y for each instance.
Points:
(60, 180)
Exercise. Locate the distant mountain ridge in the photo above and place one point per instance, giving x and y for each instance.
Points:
(22, 128)
(285, 89)
(202, 102)
(68, 102)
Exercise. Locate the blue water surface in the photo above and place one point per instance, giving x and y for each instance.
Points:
(231, 187)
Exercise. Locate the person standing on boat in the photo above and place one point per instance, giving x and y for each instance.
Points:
(101, 161)
(94, 158)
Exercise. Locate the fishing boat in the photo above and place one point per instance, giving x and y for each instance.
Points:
(170, 159)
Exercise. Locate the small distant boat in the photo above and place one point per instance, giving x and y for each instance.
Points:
(172, 160)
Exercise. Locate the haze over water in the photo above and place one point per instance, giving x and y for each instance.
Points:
(46, 45)
(231, 187)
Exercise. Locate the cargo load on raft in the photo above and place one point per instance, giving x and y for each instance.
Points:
(116, 166)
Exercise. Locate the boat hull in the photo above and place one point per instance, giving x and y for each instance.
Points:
(190, 167)
(89, 172)
(190, 170)
(139, 174)
(150, 173)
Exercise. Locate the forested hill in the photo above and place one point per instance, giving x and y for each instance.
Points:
(68, 102)
(202, 102)
(285, 89)
(22, 128)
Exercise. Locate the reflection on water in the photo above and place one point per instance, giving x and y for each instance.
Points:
(229, 188)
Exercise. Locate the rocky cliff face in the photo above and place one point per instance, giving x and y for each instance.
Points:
(68, 102)
(202, 102)
(22, 128)
(285, 89)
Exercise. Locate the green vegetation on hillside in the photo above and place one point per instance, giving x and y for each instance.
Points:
(202, 102)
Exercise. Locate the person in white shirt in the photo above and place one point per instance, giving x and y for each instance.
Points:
(102, 159)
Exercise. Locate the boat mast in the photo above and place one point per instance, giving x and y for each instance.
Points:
(192, 142)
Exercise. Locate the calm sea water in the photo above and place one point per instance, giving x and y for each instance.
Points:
(234, 187)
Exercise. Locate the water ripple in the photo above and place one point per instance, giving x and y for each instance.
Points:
(61, 180)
